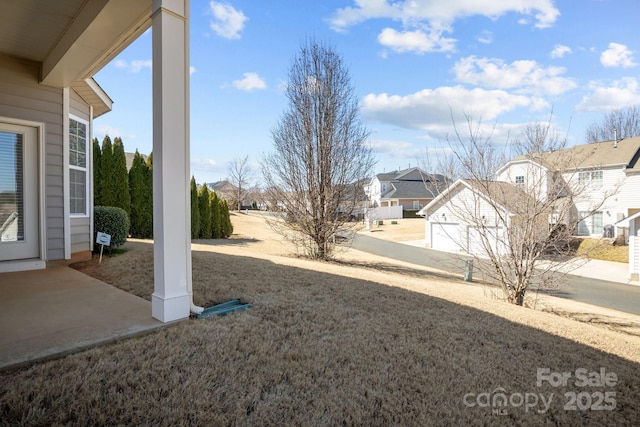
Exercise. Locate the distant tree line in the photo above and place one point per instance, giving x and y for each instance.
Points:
(132, 191)
(209, 214)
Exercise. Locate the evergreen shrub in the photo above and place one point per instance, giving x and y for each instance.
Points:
(113, 221)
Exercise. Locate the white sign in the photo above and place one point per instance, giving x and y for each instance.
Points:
(103, 239)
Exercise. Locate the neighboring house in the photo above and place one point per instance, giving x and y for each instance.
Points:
(607, 171)
(410, 188)
(454, 218)
(49, 51)
(633, 224)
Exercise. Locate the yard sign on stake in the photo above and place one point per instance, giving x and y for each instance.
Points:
(103, 239)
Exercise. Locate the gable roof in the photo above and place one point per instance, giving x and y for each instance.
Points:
(506, 195)
(411, 174)
(411, 190)
(624, 153)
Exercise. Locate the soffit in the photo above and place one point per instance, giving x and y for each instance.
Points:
(71, 39)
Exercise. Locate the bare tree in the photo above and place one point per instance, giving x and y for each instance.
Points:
(240, 174)
(320, 150)
(621, 123)
(517, 218)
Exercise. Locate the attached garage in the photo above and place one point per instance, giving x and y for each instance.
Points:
(446, 236)
(495, 238)
(457, 219)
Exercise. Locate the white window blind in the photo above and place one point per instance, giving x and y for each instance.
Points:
(11, 187)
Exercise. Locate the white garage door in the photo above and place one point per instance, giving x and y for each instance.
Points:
(494, 236)
(445, 236)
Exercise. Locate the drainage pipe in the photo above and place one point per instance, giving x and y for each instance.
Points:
(195, 309)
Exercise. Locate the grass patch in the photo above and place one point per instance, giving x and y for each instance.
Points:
(315, 349)
(603, 250)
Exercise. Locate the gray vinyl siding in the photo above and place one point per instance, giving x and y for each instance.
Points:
(22, 97)
(81, 226)
(78, 107)
(80, 234)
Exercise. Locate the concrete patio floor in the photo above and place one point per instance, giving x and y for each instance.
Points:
(59, 310)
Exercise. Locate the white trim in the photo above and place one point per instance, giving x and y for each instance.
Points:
(85, 169)
(90, 178)
(65, 173)
(22, 265)
(40, 180)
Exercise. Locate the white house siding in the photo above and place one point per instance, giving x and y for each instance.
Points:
(615, 197)
(629, 195)
(23, 98)
(375, 191)
(81, 226)
(535, 177)
(459, 208)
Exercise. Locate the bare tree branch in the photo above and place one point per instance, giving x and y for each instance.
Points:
(516, 215)
(240, 174)
(622, 123)
(320, 151)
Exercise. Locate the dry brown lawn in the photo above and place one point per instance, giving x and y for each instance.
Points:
(363, 341)
(406, 229)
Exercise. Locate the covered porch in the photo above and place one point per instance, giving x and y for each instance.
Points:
(46, 313)
(49, 52)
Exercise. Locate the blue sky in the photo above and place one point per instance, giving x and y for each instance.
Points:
(414, 65)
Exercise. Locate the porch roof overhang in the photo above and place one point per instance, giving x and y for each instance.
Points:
(72, 40)
(626, 221)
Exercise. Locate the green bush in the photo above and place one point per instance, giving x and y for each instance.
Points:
(113, 221)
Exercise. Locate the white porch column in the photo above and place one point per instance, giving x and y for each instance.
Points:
(171, 197)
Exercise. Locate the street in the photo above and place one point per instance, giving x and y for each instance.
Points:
(602, 293)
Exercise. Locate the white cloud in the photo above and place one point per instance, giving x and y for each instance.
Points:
(429, 107)
(436, 17)
(525, 76)
(415, 41)
(560, 51)
(621, 93)
(134, 66)
(485, 37)
(395, 149)
(101, 131)
(227, 22)
(250, 82)
(192, 69)
(618, 55)
(498, 133)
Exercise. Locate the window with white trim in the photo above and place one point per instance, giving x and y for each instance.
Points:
(593, 178)
(520, 180)
(78, 167)
(590, 223)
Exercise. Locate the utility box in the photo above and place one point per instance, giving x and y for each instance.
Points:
(468, 271)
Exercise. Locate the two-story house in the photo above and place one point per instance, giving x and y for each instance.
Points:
(410, 188)
(606, 174)
(597, 182)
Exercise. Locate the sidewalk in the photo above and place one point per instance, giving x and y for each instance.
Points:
(605, 270)
(594, 268)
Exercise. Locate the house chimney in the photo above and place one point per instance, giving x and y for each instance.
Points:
(615, 138)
